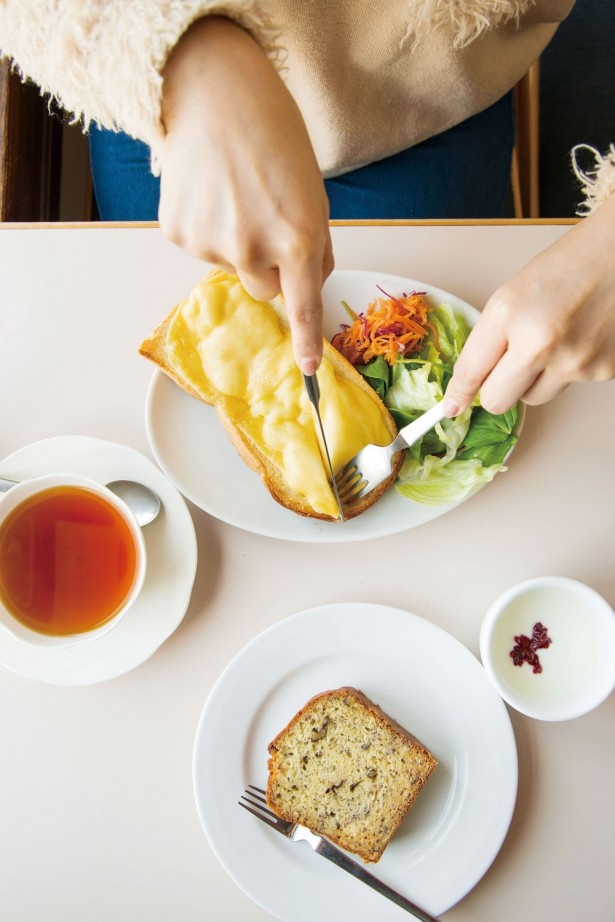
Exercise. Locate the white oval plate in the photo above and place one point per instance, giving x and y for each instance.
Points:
(193, 450)
(171, 547)
(421, 676)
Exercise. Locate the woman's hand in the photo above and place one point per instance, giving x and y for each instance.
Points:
(240, 185)
(551, 324)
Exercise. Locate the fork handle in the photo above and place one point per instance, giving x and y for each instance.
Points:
(416, 430)
(342, 860)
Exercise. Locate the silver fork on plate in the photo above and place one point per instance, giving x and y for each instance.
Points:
(372, 464)
(253, 800)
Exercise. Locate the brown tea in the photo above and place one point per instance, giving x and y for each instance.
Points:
(67, 561)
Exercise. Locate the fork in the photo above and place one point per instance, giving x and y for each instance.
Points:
(253, 800)
(370, 466)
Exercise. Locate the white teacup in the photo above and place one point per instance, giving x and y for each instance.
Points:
(72, 560)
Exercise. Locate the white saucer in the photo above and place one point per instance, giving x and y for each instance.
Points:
(171, 566)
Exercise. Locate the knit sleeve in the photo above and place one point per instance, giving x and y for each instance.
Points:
(597, 183)
(102, 59)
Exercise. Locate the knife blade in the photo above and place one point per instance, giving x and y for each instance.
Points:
(313, 392)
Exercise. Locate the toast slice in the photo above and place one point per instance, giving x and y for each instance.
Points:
(347, 771)
(235, 353)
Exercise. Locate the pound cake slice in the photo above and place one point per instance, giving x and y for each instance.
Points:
(347, 771)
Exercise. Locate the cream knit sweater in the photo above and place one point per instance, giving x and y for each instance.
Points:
(370, 78)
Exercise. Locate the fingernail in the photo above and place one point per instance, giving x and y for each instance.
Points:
(308, 366)
(450, 407)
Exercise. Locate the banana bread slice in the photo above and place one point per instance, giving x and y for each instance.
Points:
(347, 771)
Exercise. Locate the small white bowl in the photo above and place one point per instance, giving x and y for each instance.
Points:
(578, 667)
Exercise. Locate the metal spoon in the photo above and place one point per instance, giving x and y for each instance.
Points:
(142, 502)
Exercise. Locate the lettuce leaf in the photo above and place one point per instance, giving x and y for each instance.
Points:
(377, 373)
(452, 330)
(490, 436)
(413, 389)
(437, 482)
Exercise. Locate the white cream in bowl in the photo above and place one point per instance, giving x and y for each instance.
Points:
(578, 666)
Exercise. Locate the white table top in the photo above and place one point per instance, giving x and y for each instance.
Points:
(97, 813)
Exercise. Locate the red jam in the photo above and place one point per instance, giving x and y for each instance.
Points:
(525, 648)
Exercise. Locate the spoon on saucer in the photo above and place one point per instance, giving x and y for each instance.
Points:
(142, 502)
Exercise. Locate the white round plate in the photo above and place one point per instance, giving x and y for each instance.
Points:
(421, 676)
(193, 450)
(170, 542)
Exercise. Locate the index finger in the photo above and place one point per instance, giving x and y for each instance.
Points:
(481, 352)
(301, 286)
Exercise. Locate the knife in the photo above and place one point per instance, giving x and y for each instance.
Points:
(313, 392)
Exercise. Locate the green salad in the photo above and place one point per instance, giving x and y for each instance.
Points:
(405, 349)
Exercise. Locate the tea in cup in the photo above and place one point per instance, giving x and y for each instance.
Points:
(72, 560)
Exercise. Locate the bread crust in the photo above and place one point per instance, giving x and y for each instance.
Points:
(371, 846)
(381, 716)
(154, 349)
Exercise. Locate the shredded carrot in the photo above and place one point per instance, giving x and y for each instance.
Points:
(389, 327)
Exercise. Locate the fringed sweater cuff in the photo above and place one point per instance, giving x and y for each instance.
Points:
(102, 60)
(598, 182)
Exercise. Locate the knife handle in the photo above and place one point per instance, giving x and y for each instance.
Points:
(342, 860)
(313, 390)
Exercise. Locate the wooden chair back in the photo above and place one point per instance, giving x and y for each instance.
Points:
(30, 152)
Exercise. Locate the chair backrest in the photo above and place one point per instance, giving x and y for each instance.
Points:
(525, 167)
(30, 152)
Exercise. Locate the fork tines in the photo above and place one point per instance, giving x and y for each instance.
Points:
(350, 483)
(253, 800)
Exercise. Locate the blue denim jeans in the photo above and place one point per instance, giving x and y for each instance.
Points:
(462, 173)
